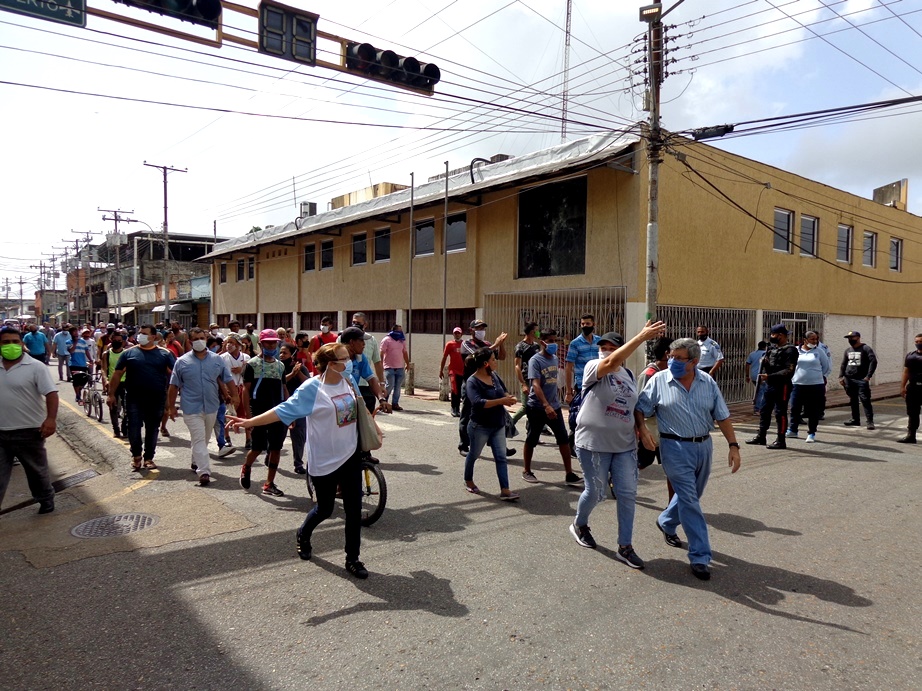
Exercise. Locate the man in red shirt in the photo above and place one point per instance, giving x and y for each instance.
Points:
(452, 353)
(326, 335)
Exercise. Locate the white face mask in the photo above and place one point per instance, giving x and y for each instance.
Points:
(199, 345)
(325, 329)
(479, 335)
(143, 339)
(810, 346)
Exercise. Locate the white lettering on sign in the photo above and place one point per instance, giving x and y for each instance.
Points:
(50, 6)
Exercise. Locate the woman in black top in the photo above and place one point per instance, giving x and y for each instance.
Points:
(294, 377)
(488, 396)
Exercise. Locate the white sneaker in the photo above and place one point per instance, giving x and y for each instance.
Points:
(811, 438)
(226, 451)
(791, 434)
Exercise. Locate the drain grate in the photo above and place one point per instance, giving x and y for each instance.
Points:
(71, 480)
(113, 526)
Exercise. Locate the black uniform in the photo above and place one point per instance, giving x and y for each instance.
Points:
(778, 363)
(913, 365)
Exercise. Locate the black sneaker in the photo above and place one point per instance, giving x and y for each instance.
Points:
(573, 480)
(701, 571)
(357, 569)
(871, 425)
(245, 477)
(510, 452)
(852, 423)
(582, 535)
(299, 469)
(46, 506)
(757, 440)
(671, 538)
(304, 546)
(273, 491)
(628, 556)
(908, 439)
(463, 450)
(779, 443)
(194, 467)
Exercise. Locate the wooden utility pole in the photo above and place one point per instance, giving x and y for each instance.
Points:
(166, 237)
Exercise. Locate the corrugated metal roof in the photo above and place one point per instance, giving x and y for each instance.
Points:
(598, 147)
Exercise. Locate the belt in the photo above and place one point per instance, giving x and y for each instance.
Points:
(666, 435)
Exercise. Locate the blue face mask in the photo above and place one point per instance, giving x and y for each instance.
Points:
(677, 367)
(348, 371)
(551, 348)
(270, 352)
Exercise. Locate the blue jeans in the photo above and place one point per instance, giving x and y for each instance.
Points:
(144, 413)
(597, 467)
(759, 398)
(688, 467)
(480, 436)
(394, 378)
(219, 426)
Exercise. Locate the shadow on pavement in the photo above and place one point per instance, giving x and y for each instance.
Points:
(758, 586)
(743, 526)
(419, 468)
(418, 591)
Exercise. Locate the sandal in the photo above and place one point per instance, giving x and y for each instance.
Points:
(512, 496)
(164, 432)
(136, 464)
(472, 490)
(150, 465)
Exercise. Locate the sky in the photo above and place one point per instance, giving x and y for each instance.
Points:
(65, 155)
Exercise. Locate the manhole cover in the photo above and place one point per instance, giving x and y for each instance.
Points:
(112, 526)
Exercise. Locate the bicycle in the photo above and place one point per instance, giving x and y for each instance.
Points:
(374, 492)
(92, 398)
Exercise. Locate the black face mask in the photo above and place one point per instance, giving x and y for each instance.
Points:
(358, 326)
(117, 345)
(773, 339)
(853, 341)
(588, 330)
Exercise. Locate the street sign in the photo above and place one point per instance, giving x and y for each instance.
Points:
(72, 12)
(287, 32)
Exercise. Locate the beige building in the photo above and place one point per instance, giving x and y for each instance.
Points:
(553, 234)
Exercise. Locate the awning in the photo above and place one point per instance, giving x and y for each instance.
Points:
(159, 308)
(126, 312)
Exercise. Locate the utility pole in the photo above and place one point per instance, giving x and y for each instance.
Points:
(22, 306)
(87, 237)
(565, 99)
(41, 286)
(166, 238)
(54, 284)
(118, 252)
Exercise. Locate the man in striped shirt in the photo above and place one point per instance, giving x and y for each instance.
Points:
(686, 402)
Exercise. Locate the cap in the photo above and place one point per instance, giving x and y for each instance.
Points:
(353, 333)
(779, 329)
(614, 338)
(248, 326)
(853, 334)
(268, 335)
(457, 330)
(213, 326)
(110, 326)
(477, 323)
(87, 331)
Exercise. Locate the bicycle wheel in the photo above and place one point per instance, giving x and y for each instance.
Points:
(87, 395)
(374, 493)
(97, 405)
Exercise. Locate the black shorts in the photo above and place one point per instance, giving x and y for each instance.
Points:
(79, 375)
(537, 419)
(269, 437)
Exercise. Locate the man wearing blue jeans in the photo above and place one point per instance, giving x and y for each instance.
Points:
(686, 403)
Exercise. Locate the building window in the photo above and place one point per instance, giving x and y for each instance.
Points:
(456, 234)
(251, 268)
(782, 235)
(430, 321)
(844, 245)
(896, 254)
(383, 245)
(241, 270)
(359, 248)
(424, 239)
(277, 320)
(310, 321)
(310, 257)
(377, 321)
(222, 320)
(222, 272)
(869, 249)
(808, 236)
(326, 254)
(552, 229)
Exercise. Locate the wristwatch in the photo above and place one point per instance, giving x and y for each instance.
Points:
(733, 443)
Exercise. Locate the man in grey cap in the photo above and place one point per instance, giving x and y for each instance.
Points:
(777, 370)
(858, 365)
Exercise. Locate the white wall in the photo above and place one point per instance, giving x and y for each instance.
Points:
(890, 337)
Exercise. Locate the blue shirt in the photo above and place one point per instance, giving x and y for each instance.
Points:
(754, 360)
(78, 357)
(812, 367)
(361, 370)
(543, 369)
(685, 413)
(579, 352)
(197, 378)
(62, 342)
(35, 342)
(710, 353)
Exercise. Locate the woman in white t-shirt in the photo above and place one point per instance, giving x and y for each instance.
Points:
(328, 402)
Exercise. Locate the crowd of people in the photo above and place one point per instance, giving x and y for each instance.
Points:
(273, 384)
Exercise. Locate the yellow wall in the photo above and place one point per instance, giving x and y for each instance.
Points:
(234, 297)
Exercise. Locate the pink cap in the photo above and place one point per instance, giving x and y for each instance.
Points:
(269, 335)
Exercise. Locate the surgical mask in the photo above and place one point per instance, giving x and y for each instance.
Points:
(199, 345)
(480, 335)
(588, 330)
(325, 329)
(551, 348)
(810, 346)
(11, 351)
(270, 352)
(143, 339)
(604, 353)
(677, 367)
(348, 371)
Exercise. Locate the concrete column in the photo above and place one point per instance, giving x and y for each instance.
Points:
(757, 334)
(402, 320)
(341, 318)
(295, 322)
(634, 319)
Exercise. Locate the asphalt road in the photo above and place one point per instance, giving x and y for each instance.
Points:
(817, 554)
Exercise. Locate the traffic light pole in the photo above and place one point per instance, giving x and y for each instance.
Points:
(166, 238)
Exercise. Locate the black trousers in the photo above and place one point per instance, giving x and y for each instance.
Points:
(465, 418)
(458, 381)
(28, 446)
(348, 478)
(807, 401)
(776, 399)
(913, 405)
(859, 392)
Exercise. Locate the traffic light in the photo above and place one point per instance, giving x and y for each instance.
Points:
(287, 32)
(364, 60)
(203, 12)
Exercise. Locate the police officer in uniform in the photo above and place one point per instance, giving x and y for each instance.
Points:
(911, 390)
(777, 370)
